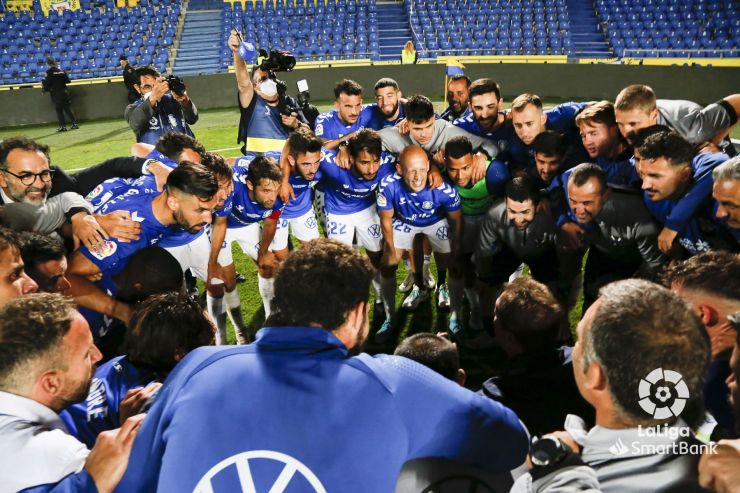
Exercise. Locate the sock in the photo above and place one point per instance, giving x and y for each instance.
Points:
(472, 295)
(267, 291)
(235, 315)
(377, 287)
(217, 312)
(456, 295)
(407, 264)
(388, 293)
(427, 259)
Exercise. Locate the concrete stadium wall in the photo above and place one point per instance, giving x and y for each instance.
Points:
(578, 82)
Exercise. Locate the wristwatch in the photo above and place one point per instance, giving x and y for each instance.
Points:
(548, 451)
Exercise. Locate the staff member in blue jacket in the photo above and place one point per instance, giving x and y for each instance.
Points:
(295, 411)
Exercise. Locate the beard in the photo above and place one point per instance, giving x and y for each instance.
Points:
(183, 223)
(21, 194)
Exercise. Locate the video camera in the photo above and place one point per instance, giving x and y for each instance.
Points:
(284, 61)
(177, 85)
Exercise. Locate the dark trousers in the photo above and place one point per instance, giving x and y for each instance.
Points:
(64, 106)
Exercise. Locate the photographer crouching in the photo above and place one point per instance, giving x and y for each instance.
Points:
(164, 106)
(268, 115)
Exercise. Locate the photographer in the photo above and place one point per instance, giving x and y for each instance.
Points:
(164, 107)
(265, 120)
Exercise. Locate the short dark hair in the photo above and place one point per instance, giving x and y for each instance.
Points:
(365, 140)
(218, 165)
(263, 168)
(484, 86)
(432, 351)
(521, 188)
(459, 77)
(524, 100)
(669, 145)
(303, 141)
(172, 144)
(658, 329)
(584, 172)
(37, 248)
(8, 239)
(31, 328)
(550, 143)
(600, 112)
(348, 87)
(193, 179)
(530, 313)
(386, 82)
(153, 270)
(20, 142)
(147, 70)
(163, 329)
(714, 272)
(458, 147)
(321, 269)
(636, 96)
(639, 136)
(419, 109)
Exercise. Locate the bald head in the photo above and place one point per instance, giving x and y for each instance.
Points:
(413, 166)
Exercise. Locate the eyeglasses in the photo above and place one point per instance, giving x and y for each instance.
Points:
(29, 178)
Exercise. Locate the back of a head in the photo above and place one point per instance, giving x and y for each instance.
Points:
(485, 86)
(348, 87)
(550, 143)
(524, 100)
(365, 140)
(31, 331)
(715, 273)
(636, 96)
(218, 166)
(668, 145)
(419, 109)
(319, 271)
(172, 144)
(302, 141)
(530, 313)
(193, 179)
(639, 327)
(149, 271)
(432, 351)
(163, 329)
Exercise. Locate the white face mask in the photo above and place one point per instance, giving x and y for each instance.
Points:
(268, 87)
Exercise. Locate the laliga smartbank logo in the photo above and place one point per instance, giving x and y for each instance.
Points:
(663, 393)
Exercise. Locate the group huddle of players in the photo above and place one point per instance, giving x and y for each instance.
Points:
(480, 189)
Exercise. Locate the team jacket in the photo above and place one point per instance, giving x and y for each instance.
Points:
(295, 405)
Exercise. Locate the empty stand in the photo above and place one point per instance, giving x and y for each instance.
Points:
(671, 28)
(85, 43)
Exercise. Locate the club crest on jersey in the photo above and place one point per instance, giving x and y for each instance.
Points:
(96, 191)
(382, 201)
(427, 205)
(319, 129)
(442, 232)
(108, 249)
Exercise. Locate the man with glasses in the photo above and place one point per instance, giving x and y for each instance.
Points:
(24, 171)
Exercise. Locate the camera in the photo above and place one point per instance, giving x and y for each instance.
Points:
(177, 85)
(277, 61)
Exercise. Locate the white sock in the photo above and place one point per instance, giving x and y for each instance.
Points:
(456, 294)
(388, 293)
(217, 312)
(376, 286)
(267, 291)
(234, 311)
